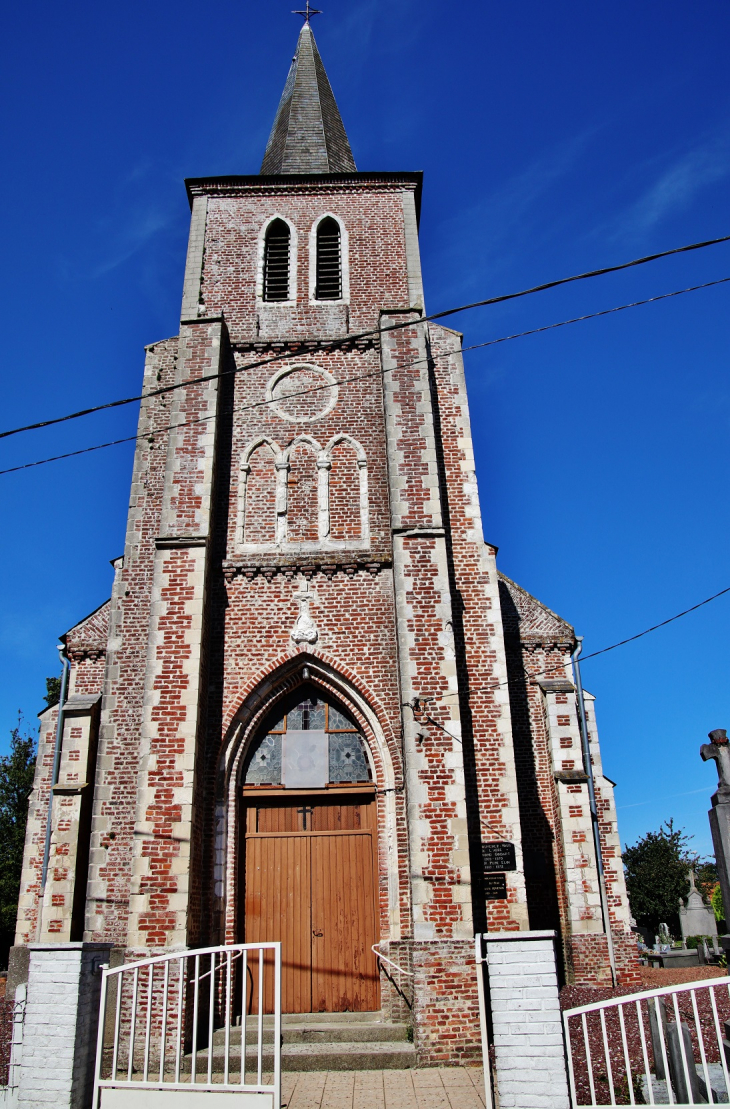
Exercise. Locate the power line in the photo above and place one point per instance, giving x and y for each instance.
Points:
(335, 344)
(560, 669)
(594, 315)
(319, 388)
(663, 624)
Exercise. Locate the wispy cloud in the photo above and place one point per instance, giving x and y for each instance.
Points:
(137, 214)
(139, 230)
(362, 24)
(668, 797)
(678, 184)
(511, 215)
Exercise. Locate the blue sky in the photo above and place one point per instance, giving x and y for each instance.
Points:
(554, 139)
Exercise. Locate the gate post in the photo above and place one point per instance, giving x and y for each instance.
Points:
(530, 1066)
(61, 1019)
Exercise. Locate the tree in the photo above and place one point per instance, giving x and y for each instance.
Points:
(656, 876)
(716, 901)
(16, 781)
(706, 877)
(53, 692)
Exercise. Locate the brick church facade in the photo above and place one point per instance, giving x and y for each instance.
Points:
(313, 707)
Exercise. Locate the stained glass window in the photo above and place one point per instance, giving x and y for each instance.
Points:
(334, 734)
(347, 758)
(338, 722)
(264, 769)
(307, 715)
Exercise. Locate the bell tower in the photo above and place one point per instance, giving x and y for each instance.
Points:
(305, 637)
(312, 710)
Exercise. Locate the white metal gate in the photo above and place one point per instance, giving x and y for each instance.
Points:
(669, 1046)
(182, 1028)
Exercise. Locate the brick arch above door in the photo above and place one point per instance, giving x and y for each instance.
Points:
(377, 730)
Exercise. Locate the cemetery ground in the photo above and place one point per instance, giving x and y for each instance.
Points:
(652, 978)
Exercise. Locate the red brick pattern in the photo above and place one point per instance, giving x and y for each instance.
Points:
(302, 500)
(260, 507)
(116, 792)
(344, 493)
(486, 733)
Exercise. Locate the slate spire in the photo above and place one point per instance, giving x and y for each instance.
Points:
(308, 135)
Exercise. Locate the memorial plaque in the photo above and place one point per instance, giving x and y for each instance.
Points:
(498, 856)
(495, 887)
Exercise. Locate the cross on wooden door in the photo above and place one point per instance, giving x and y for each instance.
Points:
(304, 810)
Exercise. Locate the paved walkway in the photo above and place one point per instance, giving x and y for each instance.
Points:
(437, 1088)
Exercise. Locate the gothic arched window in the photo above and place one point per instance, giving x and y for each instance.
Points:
(311, 745)
(259, 507)
(302, 518)
(329, 260)
(277, 245)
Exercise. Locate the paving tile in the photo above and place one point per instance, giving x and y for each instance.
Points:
(428, 1088)
(465, 1097)
(428, 1077)
(338, 1090)
(307, 1090)
(455, 1076)
(432, 1097)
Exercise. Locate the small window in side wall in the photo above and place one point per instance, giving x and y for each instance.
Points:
(276, 261)
(329, 260)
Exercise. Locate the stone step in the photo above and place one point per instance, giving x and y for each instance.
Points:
(326, 1018)
(321, 1032)
(315, 1057)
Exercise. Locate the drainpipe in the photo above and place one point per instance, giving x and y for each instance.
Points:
(594, 808)
(54, 779)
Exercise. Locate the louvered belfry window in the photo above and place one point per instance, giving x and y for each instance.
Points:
(276, 261)
(329, 261)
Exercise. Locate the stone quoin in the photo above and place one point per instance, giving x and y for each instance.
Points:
(306, 596)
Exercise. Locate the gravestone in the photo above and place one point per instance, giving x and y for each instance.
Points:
(696, 918)
(719, 815)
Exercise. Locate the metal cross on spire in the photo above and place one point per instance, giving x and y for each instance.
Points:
(310, 11)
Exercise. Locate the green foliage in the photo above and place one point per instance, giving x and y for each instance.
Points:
(695, 941)
(16, 781)
(706, 877)
(716, 901)
(656, 876)
(53, 692)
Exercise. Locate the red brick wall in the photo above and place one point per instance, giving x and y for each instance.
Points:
(373, 216)
(344, 484)
(591, 965)
(477, 628)
(116, 802)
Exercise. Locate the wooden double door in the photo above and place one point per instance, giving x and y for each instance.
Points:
(310, 865)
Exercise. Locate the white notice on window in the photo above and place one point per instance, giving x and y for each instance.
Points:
(304, 760)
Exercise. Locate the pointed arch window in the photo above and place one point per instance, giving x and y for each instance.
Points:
(313, 744)
(277, 251)
(329, 260)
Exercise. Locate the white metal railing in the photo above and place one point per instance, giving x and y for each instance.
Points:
(375, 948)
(207, 1019)
(657, 1047)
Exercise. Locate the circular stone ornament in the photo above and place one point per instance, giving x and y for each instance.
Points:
(302, 393)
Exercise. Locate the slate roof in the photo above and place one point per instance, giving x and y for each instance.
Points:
(524, 616)
(308, 135)
(91, 633)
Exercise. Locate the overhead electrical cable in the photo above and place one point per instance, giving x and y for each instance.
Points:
(328, 385)
(335, 344)
(560, 668)
(654, 627)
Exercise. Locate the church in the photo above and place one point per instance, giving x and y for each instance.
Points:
(313, 710)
